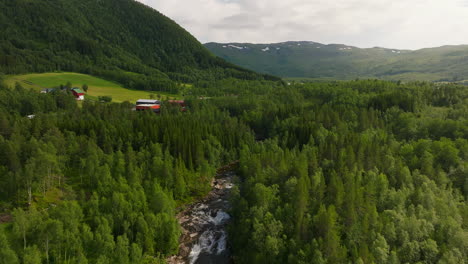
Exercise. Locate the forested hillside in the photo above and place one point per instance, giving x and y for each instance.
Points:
(307, 59)
(360, 172)
(121, 40)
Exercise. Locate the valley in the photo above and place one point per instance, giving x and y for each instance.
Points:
(307, 59)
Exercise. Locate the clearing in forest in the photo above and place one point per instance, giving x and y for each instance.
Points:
(97, 86)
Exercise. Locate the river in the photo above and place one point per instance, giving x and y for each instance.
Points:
(204, 234)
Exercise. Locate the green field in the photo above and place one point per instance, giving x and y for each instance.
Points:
(97, 86)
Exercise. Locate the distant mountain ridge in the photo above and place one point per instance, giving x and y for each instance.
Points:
(308, 59)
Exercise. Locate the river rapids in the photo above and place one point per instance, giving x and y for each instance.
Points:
(204, 234)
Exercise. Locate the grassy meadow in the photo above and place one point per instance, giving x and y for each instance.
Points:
(97, 86)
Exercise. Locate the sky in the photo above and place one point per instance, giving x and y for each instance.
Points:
(399, 24)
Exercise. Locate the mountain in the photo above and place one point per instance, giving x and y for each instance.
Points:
(109, 38)
(308, 59)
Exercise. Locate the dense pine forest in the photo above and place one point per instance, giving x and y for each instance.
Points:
(354, 172)
(340, 172)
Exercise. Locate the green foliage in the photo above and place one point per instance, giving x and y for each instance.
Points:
(105, 99)
(340, 178)
(7, 255)
(32, 255)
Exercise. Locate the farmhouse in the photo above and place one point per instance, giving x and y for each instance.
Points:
(144, 104)
(78, 93)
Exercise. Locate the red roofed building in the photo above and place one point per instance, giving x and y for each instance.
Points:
(144, 104)
(180, 103)
(78, 93)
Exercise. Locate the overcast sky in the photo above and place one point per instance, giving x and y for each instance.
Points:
(402, 24)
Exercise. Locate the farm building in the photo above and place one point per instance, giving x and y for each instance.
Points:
(48, 90)
(180, 103)
(78, 93)
(144, 104)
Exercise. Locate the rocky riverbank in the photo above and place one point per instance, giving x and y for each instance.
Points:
(204, 235)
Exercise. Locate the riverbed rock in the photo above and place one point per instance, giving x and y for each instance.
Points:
(203, 224)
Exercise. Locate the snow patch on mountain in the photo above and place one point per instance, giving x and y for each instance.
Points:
(236, 47)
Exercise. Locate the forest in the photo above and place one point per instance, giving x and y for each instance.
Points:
(354, 172)
(363, 171)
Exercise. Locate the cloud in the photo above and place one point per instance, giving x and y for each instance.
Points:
(407, 24)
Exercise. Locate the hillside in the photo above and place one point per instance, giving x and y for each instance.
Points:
(315, 60)
(107, 38)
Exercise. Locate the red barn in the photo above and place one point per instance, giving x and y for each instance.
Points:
(180, 103)
(144, 104)
(78, 93)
